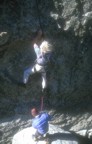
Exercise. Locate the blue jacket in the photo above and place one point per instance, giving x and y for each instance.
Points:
(41, 122)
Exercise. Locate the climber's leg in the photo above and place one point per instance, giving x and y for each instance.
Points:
(38, 68)
(26, 75)
(44, 81)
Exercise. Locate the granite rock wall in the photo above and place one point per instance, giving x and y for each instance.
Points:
(68, 26)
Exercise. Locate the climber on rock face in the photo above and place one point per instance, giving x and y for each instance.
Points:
(40, 123)
(43, 54)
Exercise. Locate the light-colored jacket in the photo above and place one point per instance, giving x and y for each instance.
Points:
(42, 57)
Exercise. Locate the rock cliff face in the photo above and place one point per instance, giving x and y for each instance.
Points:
(68, 26)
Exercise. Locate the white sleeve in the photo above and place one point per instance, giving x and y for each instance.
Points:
(37, 50)
(36, 46)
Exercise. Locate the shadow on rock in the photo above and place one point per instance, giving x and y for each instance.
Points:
(1, 134)
(13, 79)
(68, 137)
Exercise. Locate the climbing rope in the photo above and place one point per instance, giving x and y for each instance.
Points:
(40, 24)
(42, 103)
(39, 18)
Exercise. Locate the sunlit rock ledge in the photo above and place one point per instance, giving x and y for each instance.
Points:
(56, 136)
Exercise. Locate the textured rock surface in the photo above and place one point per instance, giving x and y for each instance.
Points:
(68, 122)
(25, 136)
(67, 24)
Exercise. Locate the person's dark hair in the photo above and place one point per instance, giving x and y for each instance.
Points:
(34, 111)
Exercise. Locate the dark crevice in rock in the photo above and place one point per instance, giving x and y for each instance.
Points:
(2, 52)
(80, 8)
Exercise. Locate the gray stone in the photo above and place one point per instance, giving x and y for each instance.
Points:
(69, 78)
(4, 37)
(57, 136)
(82, 132)
(90, 133)
(12, 127)
(68, 26)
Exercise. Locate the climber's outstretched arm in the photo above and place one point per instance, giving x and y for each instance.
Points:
(37, 50)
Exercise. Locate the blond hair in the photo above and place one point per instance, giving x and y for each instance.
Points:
(45, 47)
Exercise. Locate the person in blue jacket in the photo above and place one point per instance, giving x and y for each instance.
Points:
(40, 122)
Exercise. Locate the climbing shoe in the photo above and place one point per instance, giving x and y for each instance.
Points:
(34, 138)
(47, 140)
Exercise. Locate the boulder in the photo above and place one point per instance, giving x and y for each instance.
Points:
(56, 136)
(25, 137)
